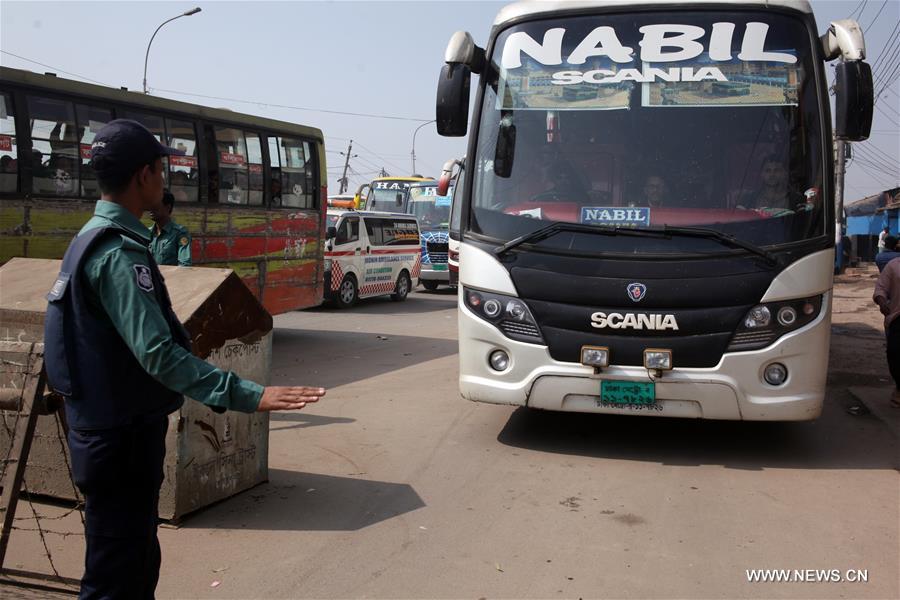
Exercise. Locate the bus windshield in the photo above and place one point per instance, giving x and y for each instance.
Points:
(431, 210)
(691, 119)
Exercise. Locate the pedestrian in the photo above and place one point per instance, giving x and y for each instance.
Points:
(884, 233)
(118, 354)
(889, 253)
(170, 243)
(887, 297)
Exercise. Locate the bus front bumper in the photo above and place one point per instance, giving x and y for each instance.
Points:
(734, 389)
(435, 272)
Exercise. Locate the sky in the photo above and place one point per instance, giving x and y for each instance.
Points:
(294, 61)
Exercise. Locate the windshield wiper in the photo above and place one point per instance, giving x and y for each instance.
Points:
(723, 238)
(560, 226)
(664, 231)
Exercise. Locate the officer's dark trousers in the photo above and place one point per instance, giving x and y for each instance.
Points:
(120, 471)
(893, 351)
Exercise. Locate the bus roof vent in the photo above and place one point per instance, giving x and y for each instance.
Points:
(49, 74)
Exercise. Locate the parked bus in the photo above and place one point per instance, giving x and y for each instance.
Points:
(455, 180)
(647, 223)
(387, 194)
(433, 214)
(250, 190)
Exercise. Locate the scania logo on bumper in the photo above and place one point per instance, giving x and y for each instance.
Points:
(602, 320)
(636, 291)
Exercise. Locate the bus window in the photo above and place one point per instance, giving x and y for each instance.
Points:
(310, 173)
(295, 190)
(155, 124)
(9, 164)
(255, 179)
(54, 152)
(184, 176)
(232, 157)
(90, 120)
(275, 168)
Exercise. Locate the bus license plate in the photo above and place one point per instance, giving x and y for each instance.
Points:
(628, 393)
(439, 267)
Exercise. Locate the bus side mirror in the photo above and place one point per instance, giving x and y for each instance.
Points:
(331, 233)
(399, 199)
(452, 106)
(446, 177)
(854, 101)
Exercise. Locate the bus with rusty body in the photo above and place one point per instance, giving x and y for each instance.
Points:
(251, 190)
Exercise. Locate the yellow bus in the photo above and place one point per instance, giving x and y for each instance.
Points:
(251, 190)
(387, 194)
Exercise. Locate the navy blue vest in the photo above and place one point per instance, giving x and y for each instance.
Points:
(86, 359)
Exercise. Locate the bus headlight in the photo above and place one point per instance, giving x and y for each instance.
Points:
(759, 316)
(327, 264)
(510, 315)
(758, 329)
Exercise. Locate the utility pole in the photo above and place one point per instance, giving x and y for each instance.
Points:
(346, 166)
(840, 163)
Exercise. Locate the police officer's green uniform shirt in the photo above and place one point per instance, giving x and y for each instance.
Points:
(120, 295)
(172, 246)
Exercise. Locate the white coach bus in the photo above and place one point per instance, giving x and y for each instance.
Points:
(647, 218)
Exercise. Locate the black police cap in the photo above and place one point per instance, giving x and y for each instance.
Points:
(123, 146)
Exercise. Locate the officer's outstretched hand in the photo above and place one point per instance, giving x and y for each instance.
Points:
(288, 397)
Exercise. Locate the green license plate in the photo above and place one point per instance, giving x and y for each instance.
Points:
(628, 393)
(439, 267)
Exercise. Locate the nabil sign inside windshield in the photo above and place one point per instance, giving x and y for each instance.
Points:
(663, 43)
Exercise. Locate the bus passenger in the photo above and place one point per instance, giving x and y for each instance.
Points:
(170, 243)
(774, 191)
(654, 191)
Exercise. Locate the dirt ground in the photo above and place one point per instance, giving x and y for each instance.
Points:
(857, 340)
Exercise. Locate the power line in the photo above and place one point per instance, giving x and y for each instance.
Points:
(879, 151)
(863, 152)
(886, 115)
(306, 108)
(887, 42)
(57, 69)
(876, 176)
(875, 152)
(386, 162)
(878, 14)
(876, 162)
(860, 7)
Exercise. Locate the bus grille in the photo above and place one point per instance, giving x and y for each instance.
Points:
(437, 251)
(753, 339)
(517, 328)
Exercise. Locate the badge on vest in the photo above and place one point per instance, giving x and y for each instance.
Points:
(143, 277)
(59, 287)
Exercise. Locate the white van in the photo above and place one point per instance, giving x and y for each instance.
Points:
(370, 254)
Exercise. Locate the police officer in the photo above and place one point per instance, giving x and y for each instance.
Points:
(170, 243)
(116, 351)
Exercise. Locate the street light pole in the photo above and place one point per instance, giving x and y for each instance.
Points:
(188, 13)
(413, 153)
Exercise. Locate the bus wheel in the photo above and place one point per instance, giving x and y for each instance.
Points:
(430, 285)
(401, 290)
(347, 293)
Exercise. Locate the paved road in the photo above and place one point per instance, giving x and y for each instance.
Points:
(394, 487)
